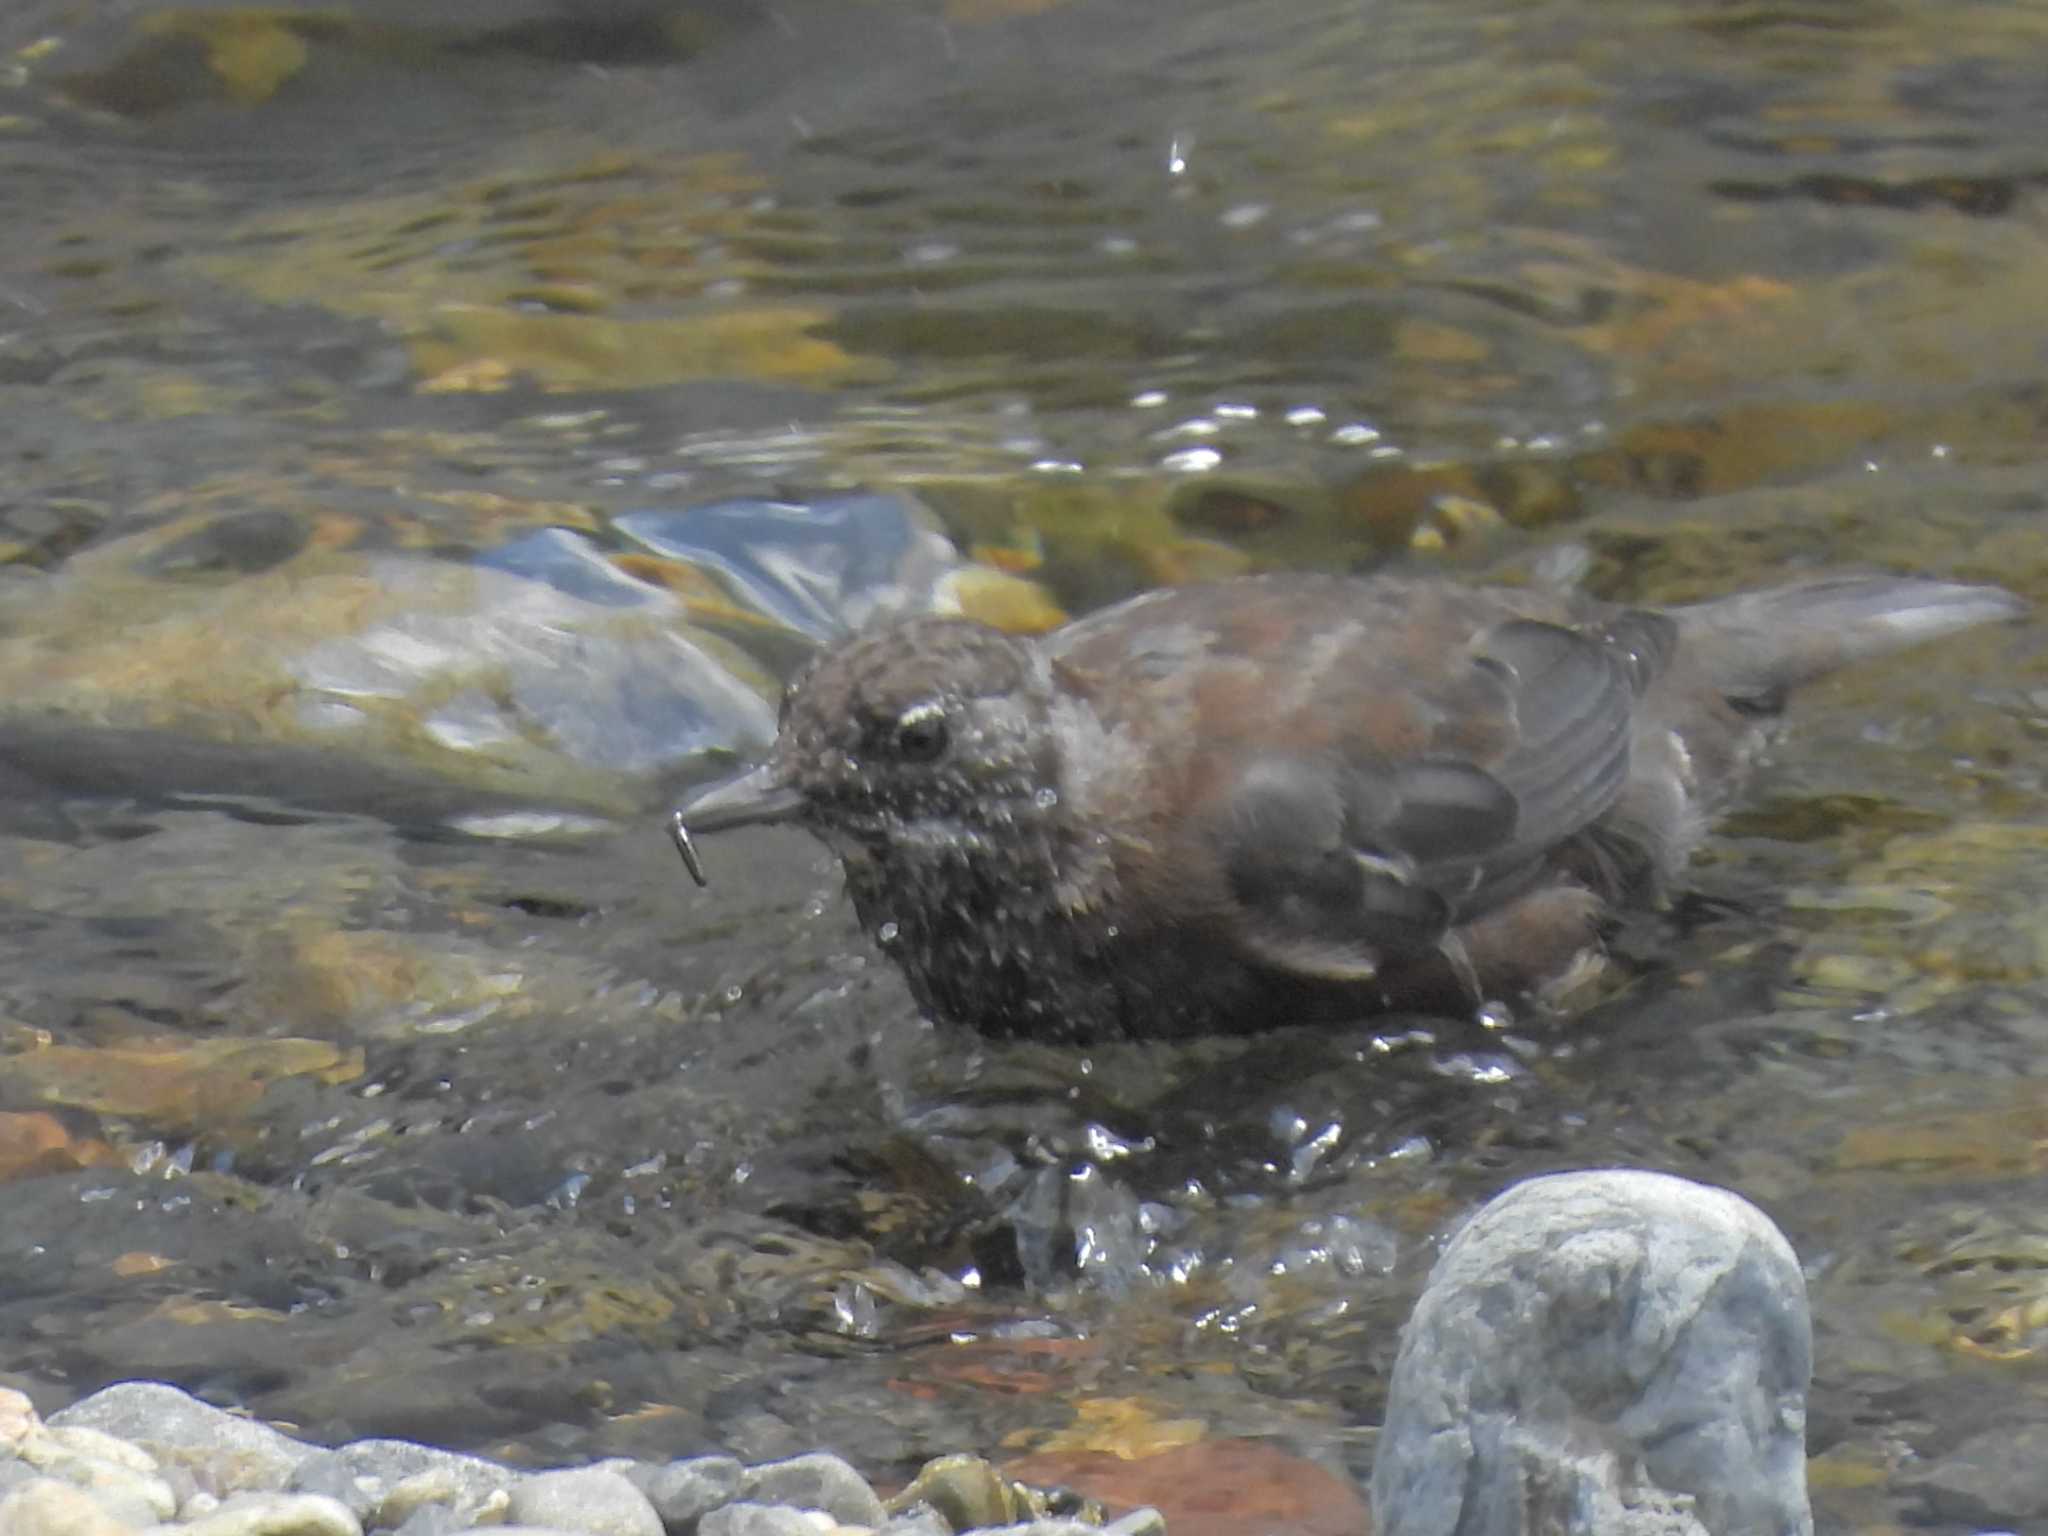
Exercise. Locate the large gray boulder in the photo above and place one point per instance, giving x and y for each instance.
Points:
(1611, 1353)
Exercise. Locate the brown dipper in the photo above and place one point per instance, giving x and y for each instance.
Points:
(1287, 798)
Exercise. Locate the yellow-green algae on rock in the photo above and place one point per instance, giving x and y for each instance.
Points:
(615, 272)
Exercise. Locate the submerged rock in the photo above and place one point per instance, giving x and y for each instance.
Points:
(563, 662)
(1612, 1353)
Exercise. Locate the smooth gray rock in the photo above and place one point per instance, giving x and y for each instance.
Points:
(227, 1453)
(48, 1506)
(121, 1477)
(749, 1519)
(276, 1514)
(433, 1520)
(13, 1474)
(401, 1476)
(819, 1480)
(591, 1501)
(328, 1472)
(1612, 1353)
(918, 1520)
(684, 1492)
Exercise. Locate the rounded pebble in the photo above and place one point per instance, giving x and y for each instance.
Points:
(121, 1478)
(83, 1440)
(226, 1452)
(918, 1520)
(390, 1462)
(328, 1472)
(17, 1418)
(1661, 1321)
(277, 1514)
(965, 1491)
(590, 1501)
(819, 1480)
(433, 1520)
(399, 1478)
(145, 1459)
(13, 1474)
(749, 1519)
(684, 1492)
(48, 1507)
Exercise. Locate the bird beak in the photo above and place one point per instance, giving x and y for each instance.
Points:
(758, 795)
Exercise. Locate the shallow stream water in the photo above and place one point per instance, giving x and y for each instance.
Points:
(428, 431)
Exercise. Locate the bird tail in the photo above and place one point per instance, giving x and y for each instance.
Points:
(1756, 645)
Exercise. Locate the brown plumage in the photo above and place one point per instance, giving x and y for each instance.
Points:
(1290, 797)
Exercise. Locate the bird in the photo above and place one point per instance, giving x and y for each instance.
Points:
(1291, 797)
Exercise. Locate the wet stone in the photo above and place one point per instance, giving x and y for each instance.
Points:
(748, 1519)
(965, 1491)
(819, 1480)
(328, 1473)
(277, 1514)
(1611, 1353)
(243, 542)
(225, 1452)
(194, 1506)
(49, 1507)
(17, 1419)
(433, 1520)
(14, 1474)
(683, 1492)
(440, 1489)
(443, 1477)
(121, 1478)
(83, 1442)
(821, 568)
(590, 1501)
(918, 1520)
(185, 1487)
(1139, 1522)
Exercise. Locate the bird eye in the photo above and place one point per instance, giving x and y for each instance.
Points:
(921, 734)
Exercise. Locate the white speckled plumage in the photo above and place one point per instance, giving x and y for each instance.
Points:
(1289, 797)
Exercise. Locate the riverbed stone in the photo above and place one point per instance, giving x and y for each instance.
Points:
(404, 1476)
(48, 1506)
(432, 1520)
(13, 1474)
(276, 1514)
(683, 1492)
(818, 1480)
(18, 1419)
(225, 1451)
(918, 1520)
(329, 1473)
(746, 1518)
(1611, 1353)
(590, 1501)
(121, 1478)
(965, 1491)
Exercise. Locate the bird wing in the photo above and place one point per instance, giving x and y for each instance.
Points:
(1334, 862)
